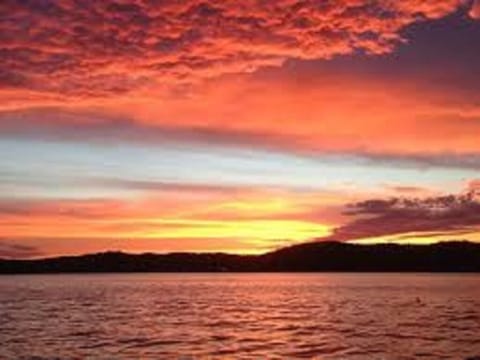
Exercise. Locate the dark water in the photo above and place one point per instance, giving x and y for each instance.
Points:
(244, 316)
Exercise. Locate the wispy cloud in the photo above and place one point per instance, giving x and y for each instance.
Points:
(62, 125)
(13, 250)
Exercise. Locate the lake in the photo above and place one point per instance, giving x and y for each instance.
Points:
(241, 316)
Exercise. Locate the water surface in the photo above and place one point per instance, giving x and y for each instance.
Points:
(244, 316)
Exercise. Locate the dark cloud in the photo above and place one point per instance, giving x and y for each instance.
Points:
(65, 208)
(397, 216)
(426, 161)
(161, 186)
(11, 250)
(61, 125)
(103, 48)
(439, 53)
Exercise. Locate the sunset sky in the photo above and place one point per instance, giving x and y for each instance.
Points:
(236, 126)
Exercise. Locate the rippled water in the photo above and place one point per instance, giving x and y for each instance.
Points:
(169, 316)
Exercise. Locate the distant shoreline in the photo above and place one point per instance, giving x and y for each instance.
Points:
(433, 273)
(446, 257)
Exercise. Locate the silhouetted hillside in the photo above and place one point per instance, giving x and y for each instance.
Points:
(314, 256)
(336, 256)
(122, 262)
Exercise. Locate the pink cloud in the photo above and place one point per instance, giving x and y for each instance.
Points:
(107, 48)
(475, 10)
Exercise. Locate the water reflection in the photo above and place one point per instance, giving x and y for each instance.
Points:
(328, 316)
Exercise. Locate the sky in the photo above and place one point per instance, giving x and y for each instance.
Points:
(236, 126)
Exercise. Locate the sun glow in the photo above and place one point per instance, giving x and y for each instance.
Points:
(209, 132)
(260, 234)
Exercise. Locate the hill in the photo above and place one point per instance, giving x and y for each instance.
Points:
(314, 256)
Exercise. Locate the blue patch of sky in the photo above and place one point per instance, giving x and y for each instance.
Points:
(41, 168)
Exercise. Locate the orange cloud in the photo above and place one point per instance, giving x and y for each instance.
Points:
(108, 48)
(328, 112)
(475, 10)
(385, 118)
(252, 220)
(116, 77)
(243, 220)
